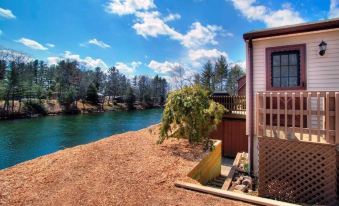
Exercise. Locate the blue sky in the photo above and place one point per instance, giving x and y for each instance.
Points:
(146, 36)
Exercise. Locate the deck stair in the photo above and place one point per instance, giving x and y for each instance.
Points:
(217, 182)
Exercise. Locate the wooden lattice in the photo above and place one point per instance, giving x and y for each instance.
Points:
(297, 172)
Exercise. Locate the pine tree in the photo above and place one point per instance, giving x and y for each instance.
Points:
(207, 76)
(232, 84)
(3, 66)
(221, 72)
(130, 98)
(92, 94)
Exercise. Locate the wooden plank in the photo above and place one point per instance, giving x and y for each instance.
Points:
(232, 195)
(257, 114)
(318, 115)
(285, 124)
(293, 115)
(301, 115)
(297, 112)
(264, 113)
(327, 117)
(304, 94)
(305, 130)
(278, 114)
(271, 115)
(337, 118)
(309, 109)
(209, 167)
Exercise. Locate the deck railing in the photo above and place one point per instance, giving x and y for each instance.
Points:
(307, 116)
(234, 104)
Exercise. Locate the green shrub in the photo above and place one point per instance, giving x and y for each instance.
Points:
(190, 114)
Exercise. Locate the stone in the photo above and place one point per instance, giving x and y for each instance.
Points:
(242, 188)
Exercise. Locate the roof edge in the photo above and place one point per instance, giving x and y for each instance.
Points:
(293, 29)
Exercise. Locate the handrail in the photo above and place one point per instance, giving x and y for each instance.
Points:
(233, 104)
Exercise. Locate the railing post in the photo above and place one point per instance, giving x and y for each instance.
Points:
(337, 118)
(327, 118)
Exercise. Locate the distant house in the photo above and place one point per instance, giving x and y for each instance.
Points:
(242, 86)
(292, 117)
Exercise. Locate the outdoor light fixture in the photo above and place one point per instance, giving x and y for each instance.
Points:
(322, 48)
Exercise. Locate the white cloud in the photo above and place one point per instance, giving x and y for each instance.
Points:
(50, 45)
(6, 13)
(164, 67)
(229, 34)
(128, 68)
(150, 24)
(272, 18)
(172, 17)
(99, 43)
(31, 44)
(205, 54)
(124, 7)
(200, 35)
(334, 9)
(53, 60)
(87, 62)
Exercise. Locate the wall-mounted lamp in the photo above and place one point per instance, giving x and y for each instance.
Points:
(322, 48)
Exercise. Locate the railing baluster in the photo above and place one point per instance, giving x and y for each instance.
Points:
(318, 115)
(327, 117)
(337, 118)
(278, 114)
(271, 115)
(293, 115)
(301, 115)
(286, 116)
(257, 114)
(309, 110)
(264, 113)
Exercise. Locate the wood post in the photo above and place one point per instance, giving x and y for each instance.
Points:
(337, 118)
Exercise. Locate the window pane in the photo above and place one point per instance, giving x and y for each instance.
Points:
(284, 71)
(284, 59)
(276, 82)
(284, 82)
(276, 60)
(276, 72)
(293, 71)
(293, 59)
(293, 82)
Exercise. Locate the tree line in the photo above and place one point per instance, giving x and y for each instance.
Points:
(25, 80)
(219, 76)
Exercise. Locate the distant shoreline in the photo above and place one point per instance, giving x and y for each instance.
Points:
(53, 108)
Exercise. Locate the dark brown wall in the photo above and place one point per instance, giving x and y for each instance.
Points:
(232, 133)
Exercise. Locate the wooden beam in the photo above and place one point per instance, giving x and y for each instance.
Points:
(232, 195)
(337, 118)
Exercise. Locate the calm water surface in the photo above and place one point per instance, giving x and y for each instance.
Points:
(22, 140)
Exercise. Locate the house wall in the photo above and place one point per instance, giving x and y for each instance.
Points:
(322, 72)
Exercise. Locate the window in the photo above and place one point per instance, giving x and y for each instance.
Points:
(285, 67)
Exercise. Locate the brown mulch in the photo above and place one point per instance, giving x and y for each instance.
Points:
(125, 169)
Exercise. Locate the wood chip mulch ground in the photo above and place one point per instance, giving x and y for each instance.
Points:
(124, 169)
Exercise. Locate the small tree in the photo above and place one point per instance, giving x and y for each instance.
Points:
(92, 94)
(190, 114)
(130, 98)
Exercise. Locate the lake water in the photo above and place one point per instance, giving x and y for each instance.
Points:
(25, 139)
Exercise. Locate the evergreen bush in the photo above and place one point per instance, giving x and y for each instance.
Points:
(190, 114)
